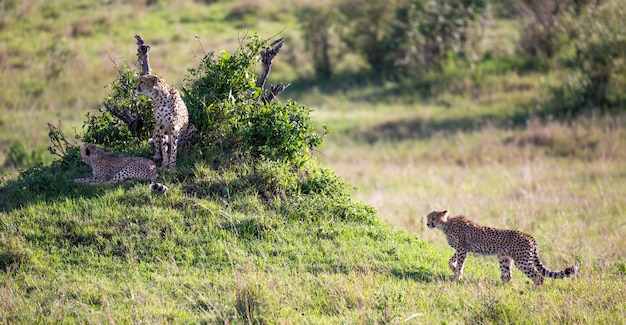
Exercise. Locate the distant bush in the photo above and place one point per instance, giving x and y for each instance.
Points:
(394, 36)
(20, 156)
(318, 24)
(542, 29)
(440, 30)
(599, 61)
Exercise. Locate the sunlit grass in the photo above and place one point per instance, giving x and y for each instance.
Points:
(476, 145)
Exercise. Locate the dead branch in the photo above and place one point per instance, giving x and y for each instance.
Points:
(274, 91)
(58, 143)
(266, 57)
(142, 55)
(134, 122)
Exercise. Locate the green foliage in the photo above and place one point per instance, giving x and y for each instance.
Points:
(437, 30)
(394, 35)
(542, 28)
(318, 24)
(599, 70)
(373, 30)
(234, 122)
(21, 155)
(106, 129)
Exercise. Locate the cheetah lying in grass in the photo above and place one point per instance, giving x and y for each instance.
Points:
(108, 167)
(510, 245)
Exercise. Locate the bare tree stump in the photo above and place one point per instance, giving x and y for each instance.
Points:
(142, 55)
(266, 57)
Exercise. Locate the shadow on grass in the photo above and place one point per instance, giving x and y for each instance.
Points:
(49, 184)
(379, 88)
(418, 128)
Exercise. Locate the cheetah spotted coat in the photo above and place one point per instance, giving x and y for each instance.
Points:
(170, 114)
(110, 168)
(510, 246)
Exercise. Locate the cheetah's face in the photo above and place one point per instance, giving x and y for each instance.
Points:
(146, 84)
(436, 218)
(89, 152)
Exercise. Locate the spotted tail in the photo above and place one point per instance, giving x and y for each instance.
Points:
(546, 273)
(158, 187)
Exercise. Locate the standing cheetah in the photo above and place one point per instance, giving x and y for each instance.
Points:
(510, 245)
(108, 167)
(170, 115)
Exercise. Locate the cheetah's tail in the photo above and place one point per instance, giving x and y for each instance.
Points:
(158, 187)
(553, 274)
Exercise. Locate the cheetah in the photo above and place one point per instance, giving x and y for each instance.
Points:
(510, 245)
(185, 138)
(108, 167)
(170, 114)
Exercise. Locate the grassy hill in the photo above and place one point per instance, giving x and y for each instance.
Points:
(259, 243)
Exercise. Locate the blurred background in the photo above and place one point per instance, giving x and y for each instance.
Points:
(509, 112)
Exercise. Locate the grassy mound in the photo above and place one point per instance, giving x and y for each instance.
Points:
(253, 229)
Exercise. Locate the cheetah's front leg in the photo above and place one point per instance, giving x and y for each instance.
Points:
(505, 267)
(157, 141)
(459, 261)
(173, 151)
(452, 263)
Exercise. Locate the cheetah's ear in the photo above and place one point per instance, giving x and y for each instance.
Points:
(444, 213)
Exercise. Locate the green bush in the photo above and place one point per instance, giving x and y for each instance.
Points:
(599, 69)
(106, 129)
(318, 24)
(234, 123)
(394, 35)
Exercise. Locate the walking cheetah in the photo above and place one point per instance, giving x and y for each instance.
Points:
(170, 114)
(510, 245)
(108, 167)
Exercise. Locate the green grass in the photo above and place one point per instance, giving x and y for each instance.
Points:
(218, 249)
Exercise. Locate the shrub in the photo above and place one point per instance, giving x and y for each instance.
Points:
(106, 129)
(393, 35)
(317, 25)
(20, 156)
(598, 64)
(234, 122)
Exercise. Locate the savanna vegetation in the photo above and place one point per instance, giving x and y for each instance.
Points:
(311, 209)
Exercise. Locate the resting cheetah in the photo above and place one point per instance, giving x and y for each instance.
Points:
(510, 245)
(108, 167)
(170, 115)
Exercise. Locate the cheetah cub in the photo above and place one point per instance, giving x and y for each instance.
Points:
(170, 114)
(108, 167)
(510, 245)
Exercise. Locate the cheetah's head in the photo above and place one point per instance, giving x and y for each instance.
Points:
(89, 152)
(145, 84)
(437, 218)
